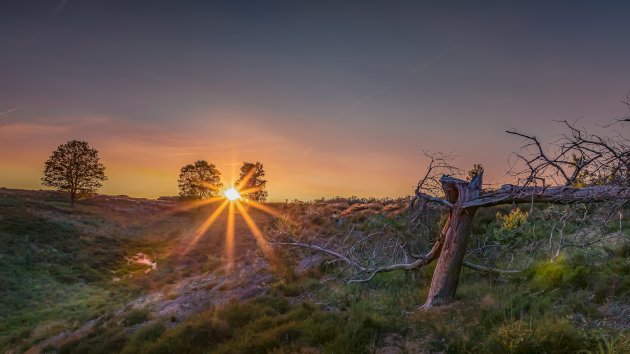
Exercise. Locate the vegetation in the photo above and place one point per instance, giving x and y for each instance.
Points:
(547, 175)
(524, 314)
(200, 180)
(74, 167)
(251, 183)
(59, 264)
(50, 274)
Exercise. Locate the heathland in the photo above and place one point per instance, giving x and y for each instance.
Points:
(119, 274)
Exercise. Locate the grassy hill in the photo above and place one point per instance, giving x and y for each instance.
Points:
(57, 263)
(81, 280)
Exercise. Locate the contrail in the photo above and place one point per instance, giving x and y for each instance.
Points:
(9, 111)
(60, 5)
(394, 84)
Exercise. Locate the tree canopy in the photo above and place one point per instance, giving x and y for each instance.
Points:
(74, 167)
(251, 183)
(200, 180)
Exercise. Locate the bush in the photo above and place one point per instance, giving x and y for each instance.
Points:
(511, 225)
(143, 336)
(547, 336)
(136, 316)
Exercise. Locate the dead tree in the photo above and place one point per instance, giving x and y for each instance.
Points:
(626, 119)
(576, 168)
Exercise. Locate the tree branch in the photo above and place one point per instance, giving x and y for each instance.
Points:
(490, 269)
(509, 194)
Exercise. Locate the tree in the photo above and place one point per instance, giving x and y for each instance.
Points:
(250, 182)
(544, 174)
(200, 180)
(74, 167)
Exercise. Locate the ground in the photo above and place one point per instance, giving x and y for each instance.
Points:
(112, 275)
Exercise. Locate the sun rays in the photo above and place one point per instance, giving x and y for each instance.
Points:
(235, 200)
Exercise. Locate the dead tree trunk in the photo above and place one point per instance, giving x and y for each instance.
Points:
(446, 275)
(582, 168)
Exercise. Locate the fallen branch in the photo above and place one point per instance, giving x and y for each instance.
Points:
(429, 257)
(490, 269)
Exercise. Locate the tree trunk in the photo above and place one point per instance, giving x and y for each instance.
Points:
(446, 275)
(73, 197)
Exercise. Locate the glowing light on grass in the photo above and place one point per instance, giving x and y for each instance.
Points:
(229, 237)
(262, 243)
(201, 230)
(264, 208)
(197, 204)
(232, 199)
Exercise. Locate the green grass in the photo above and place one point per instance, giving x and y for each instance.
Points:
(551, 308)
(522, 314)
(260, 326)
(55, 268)
(56, 275)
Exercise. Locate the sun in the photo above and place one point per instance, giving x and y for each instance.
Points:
(232, 194)
(231, 199)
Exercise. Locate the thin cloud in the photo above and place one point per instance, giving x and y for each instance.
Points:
(8, 111)
(423, 65)
(60, 5)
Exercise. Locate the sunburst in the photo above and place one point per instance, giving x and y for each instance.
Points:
(232, 198)
(232, 194)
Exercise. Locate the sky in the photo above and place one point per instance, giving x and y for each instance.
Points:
(336, 98)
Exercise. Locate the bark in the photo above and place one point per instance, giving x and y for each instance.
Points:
(73, 197)
(509, 194)
(446, 275)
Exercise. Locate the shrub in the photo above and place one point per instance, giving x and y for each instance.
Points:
(136, 316)
(511, 225)
(547, 336)
(143, 336)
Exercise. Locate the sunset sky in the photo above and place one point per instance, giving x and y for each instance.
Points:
(334, 99)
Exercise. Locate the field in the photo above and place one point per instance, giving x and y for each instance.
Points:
(117, 274)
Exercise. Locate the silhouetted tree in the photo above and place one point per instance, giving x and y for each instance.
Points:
(250, 182)
(200, 180)
(74, 167)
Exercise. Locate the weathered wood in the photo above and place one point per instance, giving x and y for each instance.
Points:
(446, 274)
(509, 194)
(576, 168)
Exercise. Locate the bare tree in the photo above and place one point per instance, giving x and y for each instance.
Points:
(625, 119)
(576, 168)
(74, 167)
